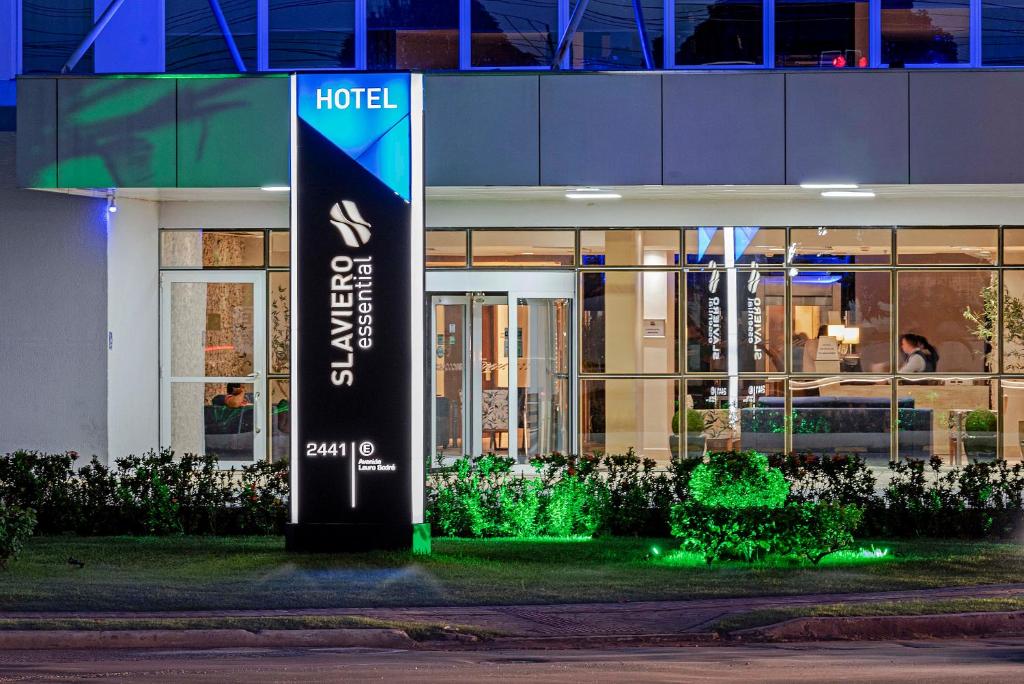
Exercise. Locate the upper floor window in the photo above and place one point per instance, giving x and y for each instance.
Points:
(719, 33)
(1002, 32)
(312, 34)
(412, 34)
(196, 44)
(50, 32)
(609, 37)
(513, 33)
(925, 32)
(821, 33)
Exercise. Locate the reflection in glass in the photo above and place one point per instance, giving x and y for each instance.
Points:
(194, 42)
(213, 418)
(608, 38)
(449, 378)
(935, 304)
(954, 419)
(307, 34)
(841, 321)
(821, 33)
(750, 244)
(1012, 316)
(537, 248)
(722, 32)
(925, 32)
(628, 322)
(828, 246)
(746, 413)
(280, 419)
(629, 247)
(412, 34)
(845, 417)
(513, 33)
(1002, 32)
(619, 414)
(445, 248)
(493, 411)
(50, 32)
(211, 248)
(280, 249)
(211, 329)
(756, 318)
(543, 377)
(941, 246)
(1013, 246)
(1012, 422)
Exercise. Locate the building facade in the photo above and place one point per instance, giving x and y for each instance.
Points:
(662, 226)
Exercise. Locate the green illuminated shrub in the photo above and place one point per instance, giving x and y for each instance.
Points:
(16, 525)
(573, 508)
(738, 480)
(814, 530)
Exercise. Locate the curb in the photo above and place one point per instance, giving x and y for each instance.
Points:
(888, 627)
(203, 638)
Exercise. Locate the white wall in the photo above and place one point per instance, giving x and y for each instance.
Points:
(133, 324)
(232, 214)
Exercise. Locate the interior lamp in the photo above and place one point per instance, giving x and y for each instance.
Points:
(851, 335)
(837, 331)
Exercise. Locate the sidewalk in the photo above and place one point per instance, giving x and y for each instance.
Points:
(544, 626)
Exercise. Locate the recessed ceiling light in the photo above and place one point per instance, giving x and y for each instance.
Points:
(863, 194)
(275, 188)
(829, 186)
(577, 195)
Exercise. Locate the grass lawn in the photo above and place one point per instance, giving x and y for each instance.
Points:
(194, 573)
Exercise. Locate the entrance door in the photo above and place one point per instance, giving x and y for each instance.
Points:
(213, 364)
(495, 390)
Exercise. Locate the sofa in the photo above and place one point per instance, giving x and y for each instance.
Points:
(827, 425)
(229, 431)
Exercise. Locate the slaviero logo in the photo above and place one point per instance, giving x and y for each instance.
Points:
(354, 229)
(755, 280)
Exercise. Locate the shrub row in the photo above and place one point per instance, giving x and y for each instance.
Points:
(628, 495)
(156, 493)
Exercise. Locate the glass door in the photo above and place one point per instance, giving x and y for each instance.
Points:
(213, 364)
(502, 380)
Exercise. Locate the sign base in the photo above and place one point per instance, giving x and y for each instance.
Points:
(346, 537)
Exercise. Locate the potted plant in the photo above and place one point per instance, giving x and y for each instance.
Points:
(673, 439)
(695, 439)
(980, 435)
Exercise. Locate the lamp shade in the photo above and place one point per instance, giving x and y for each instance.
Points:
(851, 336)
(836, 331)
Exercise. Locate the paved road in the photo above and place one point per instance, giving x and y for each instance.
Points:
(935, 662)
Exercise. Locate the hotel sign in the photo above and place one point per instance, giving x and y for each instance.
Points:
(357, 318)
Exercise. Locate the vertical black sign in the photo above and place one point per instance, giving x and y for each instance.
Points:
(354, 276)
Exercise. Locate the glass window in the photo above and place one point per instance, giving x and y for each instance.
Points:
(925, 32)
(933, 305)
(534, 248)
(543, 376)
(821, 33)
(1012, 319)
(194, 42)
(629, 322)
(279, 327)
(834, 417)
(445, 248)
(629, 247)
(950, 418)
(750, 244)
(412, 34)
(826, 245)
(211, 249)
(212, 329)
(280, 248)
(1002, 32)
(202, 423)
(1012, 424)
(758, 317)
(745, 414)
(513, 33)
(1013, 246)
(50, 32)
(841, 322)
(608, 38)
(718, 32)
(621, 414)
(307, 34)
(280, 419)
(931, 245)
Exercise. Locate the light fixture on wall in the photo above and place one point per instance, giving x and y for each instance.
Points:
(851, 194)
(111, 201)
(275, 188)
